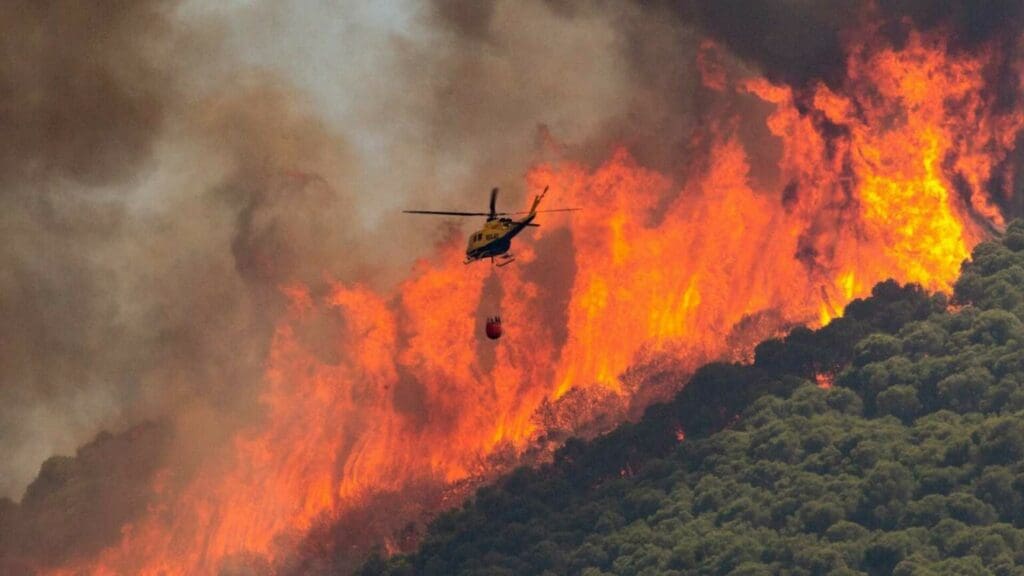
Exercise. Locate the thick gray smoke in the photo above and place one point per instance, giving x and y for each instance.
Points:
(81, 103)
(802, 41)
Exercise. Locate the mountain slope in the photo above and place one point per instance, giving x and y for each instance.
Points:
(909, 463)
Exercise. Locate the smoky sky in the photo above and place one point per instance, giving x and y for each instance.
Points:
(801, 41)
(82, 99)
(80, 105)
(149, 214)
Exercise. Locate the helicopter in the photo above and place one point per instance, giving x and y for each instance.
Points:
(495, 238)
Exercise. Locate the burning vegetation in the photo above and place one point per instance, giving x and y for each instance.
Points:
(792, 188)
(910, 462)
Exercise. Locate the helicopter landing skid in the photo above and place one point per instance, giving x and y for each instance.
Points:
(506, 260)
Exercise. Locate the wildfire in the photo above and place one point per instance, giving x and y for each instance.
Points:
(884, 176)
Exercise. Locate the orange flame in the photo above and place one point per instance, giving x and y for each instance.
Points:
(880, 179)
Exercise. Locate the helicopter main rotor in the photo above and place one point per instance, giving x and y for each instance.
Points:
(492, 215)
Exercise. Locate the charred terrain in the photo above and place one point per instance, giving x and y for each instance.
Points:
(224, 350)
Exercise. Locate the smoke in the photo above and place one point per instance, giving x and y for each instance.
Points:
(82, 97)
(147, 219)
(153, 203)
(81, 103)
(799, 42)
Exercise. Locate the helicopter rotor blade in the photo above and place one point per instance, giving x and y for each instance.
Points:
(538, 211)
(494, 198)
(441, 213)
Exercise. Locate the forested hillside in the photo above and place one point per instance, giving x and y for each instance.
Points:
(909, 463)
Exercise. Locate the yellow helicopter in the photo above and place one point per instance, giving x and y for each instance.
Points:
(495, 238)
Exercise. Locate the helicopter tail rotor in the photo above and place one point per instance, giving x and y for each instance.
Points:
(494, 200)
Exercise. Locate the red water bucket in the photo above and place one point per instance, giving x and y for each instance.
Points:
(493, 328)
